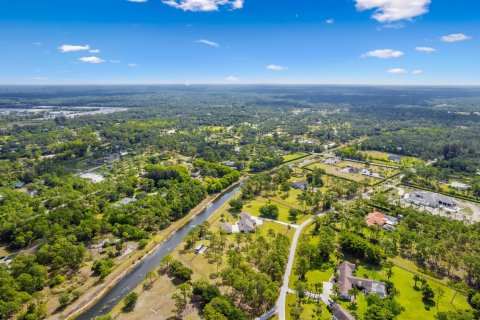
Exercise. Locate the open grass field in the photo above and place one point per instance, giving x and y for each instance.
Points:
(294, 156)
(3, 252)
(284, 205)
(382, 158)
(309, 309)
(411, 298)
(335, 171)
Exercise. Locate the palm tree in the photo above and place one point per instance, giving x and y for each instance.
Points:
(389, 273)
(271, 234)
(354, 293)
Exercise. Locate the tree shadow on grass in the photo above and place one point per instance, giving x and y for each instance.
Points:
(428, 304)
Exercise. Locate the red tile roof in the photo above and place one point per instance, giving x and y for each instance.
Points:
(376, 218)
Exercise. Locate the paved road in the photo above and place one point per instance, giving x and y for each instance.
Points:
(281, 303)
(280, 222)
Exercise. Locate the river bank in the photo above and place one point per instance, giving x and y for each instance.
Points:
(96, 293)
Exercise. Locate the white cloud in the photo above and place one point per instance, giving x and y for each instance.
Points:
(425, 49)
(394, 10)
(417, 71)
(231, 78)
(132, 65)
(91, 59)
(71, 48)
(383, 54)
(94, 51)
(137, 1)
(330, 21)
(208, 43)
(397, 71)
(38, 44)
(455, 37)
(237, 4)
(275, 67)
(204, 5)
(114, 61)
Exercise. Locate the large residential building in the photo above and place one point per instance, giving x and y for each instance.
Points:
(347, 280)
(395, 158)
(300, 185)
(424, 198)
(378, 218)
(246, 223)
(339, 313)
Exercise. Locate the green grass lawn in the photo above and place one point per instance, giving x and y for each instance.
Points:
(294, 156)
(309, 309)
(253, 207)
(334, 171)
(410, 298)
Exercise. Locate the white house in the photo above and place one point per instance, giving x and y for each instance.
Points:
(246, 223)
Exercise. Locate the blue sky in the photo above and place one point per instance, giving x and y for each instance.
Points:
(240, 41)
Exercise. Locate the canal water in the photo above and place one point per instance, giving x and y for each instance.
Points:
(137, 275)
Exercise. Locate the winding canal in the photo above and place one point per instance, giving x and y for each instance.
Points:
(137, 275)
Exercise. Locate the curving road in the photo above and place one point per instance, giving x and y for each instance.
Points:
(281, 303)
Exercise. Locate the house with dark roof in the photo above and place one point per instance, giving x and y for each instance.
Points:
(339, 313)
(124, 201)
(300, 184)
(430, 199)
(395, 158)
(347, 280)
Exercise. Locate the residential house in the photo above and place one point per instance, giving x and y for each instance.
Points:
(459, 186)
(424, 198)
(347, 280)
(246, 223)
(229, 163)
(329, 145)
(124, 201)
(395, 158)
(339, 313)
(195, 174)
(300, 184)
(19, 185)
(378, 218)
(331, 161)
